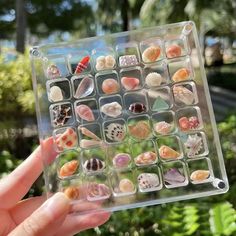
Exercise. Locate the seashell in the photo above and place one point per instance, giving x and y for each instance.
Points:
(151, 54)
(82, 65)
(148, 181)
(193, 145)
(146, 158)
(66, 140)
(200, 175)
(53, 72)
(160, 104)
(98, 191)
(84, 112)
(193, 122)
(128, 60)
(137, 107)
(100, 65)
(183, 94)
(85, 143)
(181, 75)
(126, 186)
(55, 94)
(89, 134)
(94, 164)
(85, 88)
(72, 192)
(162, 127)
(115, 132)
(110, 86)
(61, 114)
(121, 160)
(69, 168)
(140, 130)
(173, 176)
(109, 62)
(153, 79)
(130, 83)
(184, 123)
(173, 51)
(168, 153)
(113, 109)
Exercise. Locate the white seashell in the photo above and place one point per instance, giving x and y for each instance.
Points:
(183, 94)
(85, 87)
(110, 62)
(84, 143)
(115, 132)
(193, 145)
(148, 181)
(153, 79)
(55, 94)
(112, 109)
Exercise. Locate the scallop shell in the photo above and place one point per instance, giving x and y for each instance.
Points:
(89, 134)
(181, 75)
(168, 153)
(68, 168)
(84, 112)
(162, 127)
(140, 130)
(98, 191)
(121, 160)
(183, 94)
(94, 164)
(72, 192)
(130, 83)
(146, 158)
(110, 86)
(151, 54)
(153, 79)
(174, 51)
(115, 132)
(193, 145)
(126, 186)
(55, 94)
(85, 88)
(148, 181)
(173, 176)
(84, 143)
(113, 109)
(200, 175)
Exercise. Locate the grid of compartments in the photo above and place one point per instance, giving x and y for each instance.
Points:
(126, 119)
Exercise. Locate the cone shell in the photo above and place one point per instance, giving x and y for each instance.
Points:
(72, 193)
(69, 168)
(146, 158)
(84, 112)
(173, 51)
(82, 65)
(66, 140)
(200, 175)
(168, 153)
(151, 54)
(140, 130)
(126, 186)
(130, 83)
(181, 75)
(89, 134)
(110, 86)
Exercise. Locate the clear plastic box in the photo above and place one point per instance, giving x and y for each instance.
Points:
(130, 117)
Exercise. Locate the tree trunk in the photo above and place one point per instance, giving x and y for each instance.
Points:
(125, 14)
(20, 25)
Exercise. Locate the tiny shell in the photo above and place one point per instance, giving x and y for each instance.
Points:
(84, 112)
(115, 132)
(126, 186)
(162, 127)
(72, 193)
(94, 164)
(173, 176)
(66, 140)
(85, 143)
(82, 65)
(113, 109)
(146, 158)
(200, 175)
(130, 83)
(121, 160)
(168, 153)
(173, 51)
(148, 181)
(140, 130)
(183, 94)
(97, 191)
(137, 107)
(55, 94)
(53, 72)
(128, 60)
(89, 134)
(68, 168)
(85, 87)
(110, 86)
(151, 54)
(61, 114)
(153, 79)
(193, 145)
(181, 75)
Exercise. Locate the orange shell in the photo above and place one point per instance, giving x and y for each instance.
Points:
(140, 130)
(146, 158)
(151, 54)
(181, 75)
(184, 123)
(200, 175)
(68, 168)
(168, 153)
(173, 51)
(72, 193)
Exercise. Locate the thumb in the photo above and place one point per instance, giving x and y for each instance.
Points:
(46, 220)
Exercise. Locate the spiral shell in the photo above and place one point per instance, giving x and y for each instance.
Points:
(68, 168)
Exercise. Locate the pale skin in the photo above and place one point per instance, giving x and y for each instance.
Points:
(37, 216)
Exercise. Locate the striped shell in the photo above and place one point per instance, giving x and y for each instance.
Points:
(94, 164)
(69, 168)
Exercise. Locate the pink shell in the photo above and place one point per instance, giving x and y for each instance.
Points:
(129, 83)
(193, 122)
(84, 112)
(184, 123)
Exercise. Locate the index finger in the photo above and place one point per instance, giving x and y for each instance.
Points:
(16, 185)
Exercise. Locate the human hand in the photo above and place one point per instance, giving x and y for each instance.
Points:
(37, 216)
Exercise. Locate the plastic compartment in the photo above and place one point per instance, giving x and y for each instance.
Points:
(135, 132)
